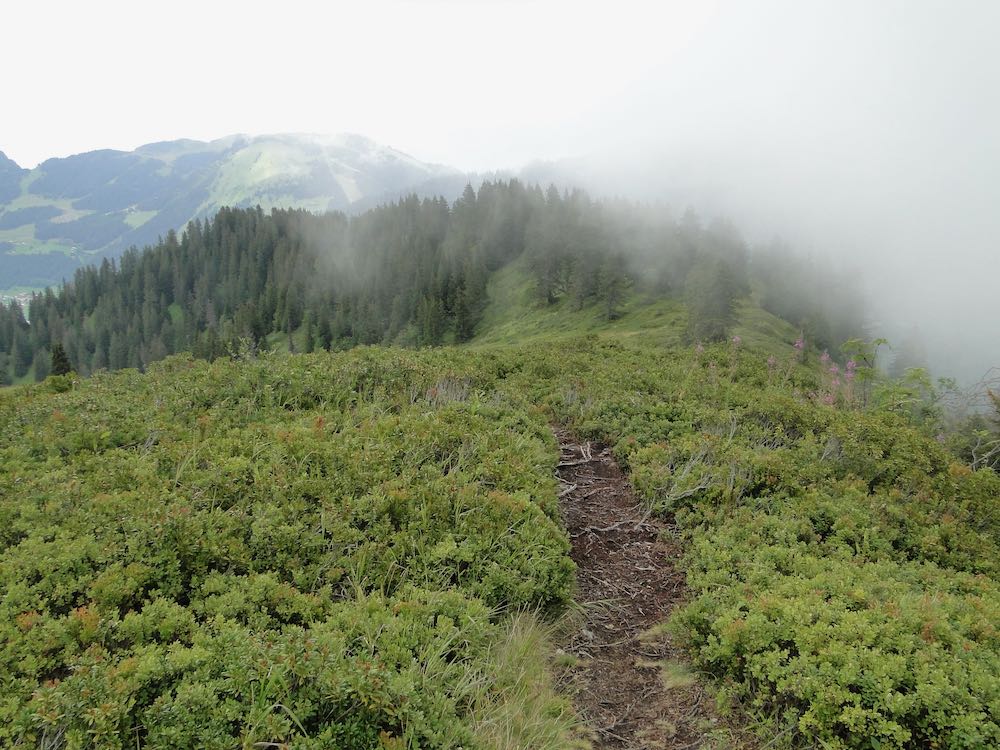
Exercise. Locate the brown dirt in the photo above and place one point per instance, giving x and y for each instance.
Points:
(633, 690)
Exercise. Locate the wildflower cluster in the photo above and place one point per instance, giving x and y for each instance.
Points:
(839, 383)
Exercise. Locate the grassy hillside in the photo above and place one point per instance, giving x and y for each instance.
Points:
(514, 314)
(324, 549)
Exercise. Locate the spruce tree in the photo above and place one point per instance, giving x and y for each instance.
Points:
(60, 362)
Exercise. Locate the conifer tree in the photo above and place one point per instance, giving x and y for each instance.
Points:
(60, 362)
(414, 272)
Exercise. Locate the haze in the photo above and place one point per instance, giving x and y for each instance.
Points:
(864, 131)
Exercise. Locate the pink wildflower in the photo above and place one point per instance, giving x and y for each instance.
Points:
(834, 369)
(851, 365)
(800, 343)
(836, 382)
(737, 341)
(828, 399)
(849, 375)
(824, 357)
(772, 361)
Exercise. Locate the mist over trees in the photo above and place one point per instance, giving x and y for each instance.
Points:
(414, 272)
(811, 293)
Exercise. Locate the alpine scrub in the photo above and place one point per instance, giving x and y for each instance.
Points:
(843, 565)
(310, 551)
(322, 550)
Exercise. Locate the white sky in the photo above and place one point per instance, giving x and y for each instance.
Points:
(473, 84)
(869, 129)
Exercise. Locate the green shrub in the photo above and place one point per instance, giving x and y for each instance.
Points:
(844, 569)
(310, 550)
(283, 549)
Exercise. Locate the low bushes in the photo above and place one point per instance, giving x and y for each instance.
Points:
(843, 567)
(283, 549)
(314, 551)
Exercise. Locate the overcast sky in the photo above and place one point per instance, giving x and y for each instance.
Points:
(868, 130)
(471, 84)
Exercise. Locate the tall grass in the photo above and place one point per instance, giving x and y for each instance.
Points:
(517, 705)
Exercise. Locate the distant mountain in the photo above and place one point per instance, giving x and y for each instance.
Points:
(10, 178)
(71, 211)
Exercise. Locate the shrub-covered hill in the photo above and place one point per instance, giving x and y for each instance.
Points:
(315, 550)
(320, 549)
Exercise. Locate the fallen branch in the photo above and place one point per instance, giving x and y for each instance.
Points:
(568, 490)
(604, 529)
(578, 463)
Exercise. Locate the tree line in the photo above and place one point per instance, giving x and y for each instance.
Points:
(413, 272)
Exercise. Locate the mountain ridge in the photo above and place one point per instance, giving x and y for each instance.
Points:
(69, 211)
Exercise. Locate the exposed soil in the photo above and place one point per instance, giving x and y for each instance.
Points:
(632, 687)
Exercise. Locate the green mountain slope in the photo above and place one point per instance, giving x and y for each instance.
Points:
(509, 263)
(514, 314)
(78, 209)
(243, 547)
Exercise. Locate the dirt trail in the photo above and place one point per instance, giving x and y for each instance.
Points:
(632, 689)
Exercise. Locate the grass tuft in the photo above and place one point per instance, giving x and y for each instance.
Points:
(519, 708)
